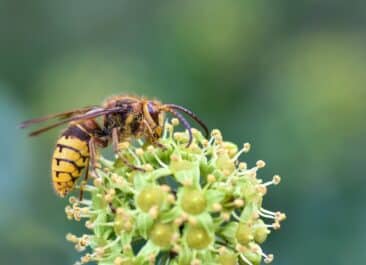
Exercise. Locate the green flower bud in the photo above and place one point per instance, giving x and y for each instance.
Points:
(193, 201)
(261, 232)
(244, 234)
(149, 197)
(197, 237)
(228, 259)
(162, 234)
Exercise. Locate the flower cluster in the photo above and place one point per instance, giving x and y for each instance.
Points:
(189, 206)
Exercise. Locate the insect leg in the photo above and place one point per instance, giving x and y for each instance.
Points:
(115, 142)
(93, 156)
(84, 182)
(152, 138)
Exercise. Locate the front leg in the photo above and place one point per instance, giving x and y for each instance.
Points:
(115, 143)
(153, 139)
(93, 156)
(90, 164)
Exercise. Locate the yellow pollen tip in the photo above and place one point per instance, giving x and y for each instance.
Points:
(260, 164)
(118, 261)
(225, 216)
(148, 167)
(222, 250)
(123, 145)
(152, 258)
(281, 217)
(150, 148)
(89, 224)
(178, 221)
(98, 182)
(165, 188)
(73, 200)
(154, 212)
(276, 179)
(171, 198)
(99, 251)
(240, 248)
(196, 262)
(243, 166)
(262, 190)
(217, 207)
(211, 178)
(192, 220)
(85, 259)
(175, 122)
(72, 238)
(239, 202)
(246, 147)
(139, 151)
(276, 225)
(269, 259)
(120, 211)
(176, 249)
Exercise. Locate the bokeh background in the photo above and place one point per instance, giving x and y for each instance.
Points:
(287, 76)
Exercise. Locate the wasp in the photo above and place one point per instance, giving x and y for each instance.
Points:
(123, 118)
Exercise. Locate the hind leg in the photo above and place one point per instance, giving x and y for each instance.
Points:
(92, 164)
(84, 182)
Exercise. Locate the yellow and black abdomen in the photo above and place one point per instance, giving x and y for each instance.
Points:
(70, 157)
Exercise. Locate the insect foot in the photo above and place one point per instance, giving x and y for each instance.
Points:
(194, 205)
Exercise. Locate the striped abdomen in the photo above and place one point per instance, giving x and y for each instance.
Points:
(70, 157)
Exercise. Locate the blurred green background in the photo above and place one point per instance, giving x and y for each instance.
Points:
(287, 76)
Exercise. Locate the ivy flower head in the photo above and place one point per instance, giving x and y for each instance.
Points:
(191, 205)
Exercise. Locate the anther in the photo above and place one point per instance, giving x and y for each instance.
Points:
(73, 200)
(225, 216)
(211, 178)
(216, 207)
(150, 148)
(148, 167)
(171, 198)
(154, 211)
(269, 258)
(72, 238)
(192, 220)
(276, 179)
(139, 151)
(98, 182)
(165, 188)
(243, 166)
(175, 122)
(260, 164)
(196, 262)
(123, 145)
(118, 261)
(246, 147)
(239, 203)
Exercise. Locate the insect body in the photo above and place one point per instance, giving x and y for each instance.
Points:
(70, 157)
(124, 118)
